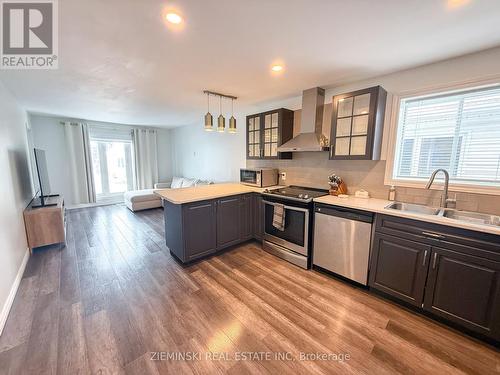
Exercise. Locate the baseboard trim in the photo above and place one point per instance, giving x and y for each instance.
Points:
(13, 291)
(88, 205)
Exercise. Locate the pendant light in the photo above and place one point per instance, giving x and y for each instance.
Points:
(209, 121)
(221, 121)
(232, 120)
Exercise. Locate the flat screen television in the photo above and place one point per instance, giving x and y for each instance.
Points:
(43, 189)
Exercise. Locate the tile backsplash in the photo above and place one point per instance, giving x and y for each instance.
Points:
(313, 168)
(465, 201)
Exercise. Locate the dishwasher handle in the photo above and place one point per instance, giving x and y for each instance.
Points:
(346, 213)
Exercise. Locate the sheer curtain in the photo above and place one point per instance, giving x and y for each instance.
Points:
(80, 162)
(145, 155)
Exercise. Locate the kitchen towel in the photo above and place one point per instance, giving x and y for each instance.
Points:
(279, 217)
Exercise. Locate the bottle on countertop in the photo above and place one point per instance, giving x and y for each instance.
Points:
(392, 193)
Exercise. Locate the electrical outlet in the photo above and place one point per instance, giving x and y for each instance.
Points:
(283, 176)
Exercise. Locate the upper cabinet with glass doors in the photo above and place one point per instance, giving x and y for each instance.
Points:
(267, 131)
(357, 122)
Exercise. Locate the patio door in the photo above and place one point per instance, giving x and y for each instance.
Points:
(112, 164)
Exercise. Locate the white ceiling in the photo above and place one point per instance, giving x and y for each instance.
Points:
(120, 62)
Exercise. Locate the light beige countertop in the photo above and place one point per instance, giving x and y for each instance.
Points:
(378, 206)
(204, 192)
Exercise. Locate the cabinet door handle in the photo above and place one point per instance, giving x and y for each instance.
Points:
(425, 257)
(434, 261)
(433, 235)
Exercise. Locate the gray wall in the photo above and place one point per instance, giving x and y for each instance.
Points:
(16, 193)
(48, 134)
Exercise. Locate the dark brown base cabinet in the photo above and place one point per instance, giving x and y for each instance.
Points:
(228, 221)
(258, 217)
(465, 289)
(448, 272)
(400, 268)
(195, 230)
(246, 217)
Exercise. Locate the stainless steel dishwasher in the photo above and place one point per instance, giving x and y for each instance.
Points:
(342, 239)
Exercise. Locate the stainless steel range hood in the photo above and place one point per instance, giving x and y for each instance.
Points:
(309, 138)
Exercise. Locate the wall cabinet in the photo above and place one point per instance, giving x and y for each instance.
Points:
(449, 272)
(194, 230)
(357, 124)
(267, 131)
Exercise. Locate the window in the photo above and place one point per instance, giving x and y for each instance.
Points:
(112, 167)
(457, 131)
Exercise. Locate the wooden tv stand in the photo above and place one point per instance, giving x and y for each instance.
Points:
(45, 225)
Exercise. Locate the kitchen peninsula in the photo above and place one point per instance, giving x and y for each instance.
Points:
(202, 220)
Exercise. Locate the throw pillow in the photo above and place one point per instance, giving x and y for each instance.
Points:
(189, 182)
(176, 182)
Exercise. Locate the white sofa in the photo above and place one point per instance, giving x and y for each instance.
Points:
(144, 199)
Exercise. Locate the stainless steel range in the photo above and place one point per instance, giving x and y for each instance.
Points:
(292, 240)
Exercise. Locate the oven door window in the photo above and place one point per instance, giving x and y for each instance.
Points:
(295, 224)
(250, 177)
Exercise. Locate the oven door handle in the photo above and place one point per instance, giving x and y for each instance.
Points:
(287, 207)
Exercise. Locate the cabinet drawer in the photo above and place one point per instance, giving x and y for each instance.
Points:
(461, 240)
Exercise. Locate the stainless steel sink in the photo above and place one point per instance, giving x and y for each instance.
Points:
(472, 217)
(465, 216)
(415, 208)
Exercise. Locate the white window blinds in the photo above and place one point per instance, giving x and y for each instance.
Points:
(458, 131)
(105, 133)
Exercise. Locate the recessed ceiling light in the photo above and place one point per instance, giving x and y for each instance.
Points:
(173, 18)
(453, 4)
(277, 68)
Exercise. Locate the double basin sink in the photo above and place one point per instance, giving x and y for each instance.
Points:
(465, 216)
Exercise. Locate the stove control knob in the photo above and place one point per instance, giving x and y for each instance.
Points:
(306, 196)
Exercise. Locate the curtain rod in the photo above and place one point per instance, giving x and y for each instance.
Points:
(110, 127)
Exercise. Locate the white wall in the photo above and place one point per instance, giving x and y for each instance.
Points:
(16, 193)
(312, 169)
(208, 155)
(48, 134)
(218, 156)
(468, 68)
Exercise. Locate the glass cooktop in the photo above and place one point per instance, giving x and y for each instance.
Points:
(297, 192)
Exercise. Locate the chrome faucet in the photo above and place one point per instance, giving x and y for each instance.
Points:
(444, 197)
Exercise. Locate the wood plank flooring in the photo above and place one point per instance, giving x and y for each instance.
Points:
(113, 295)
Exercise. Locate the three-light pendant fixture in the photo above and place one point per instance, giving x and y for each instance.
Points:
(221, 121)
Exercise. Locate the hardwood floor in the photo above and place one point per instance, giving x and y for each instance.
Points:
(114, 295)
